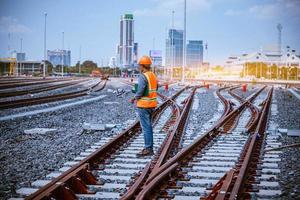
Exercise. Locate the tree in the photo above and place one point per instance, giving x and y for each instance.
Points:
(88, 66)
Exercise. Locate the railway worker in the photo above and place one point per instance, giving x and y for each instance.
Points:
(145, 100)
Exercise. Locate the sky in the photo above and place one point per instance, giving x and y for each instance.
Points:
(229, 27)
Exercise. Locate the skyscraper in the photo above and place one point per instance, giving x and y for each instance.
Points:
(174, 48)
(194, 53)
(126, 45)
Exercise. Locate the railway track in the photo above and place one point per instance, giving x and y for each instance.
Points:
(192, 172)
(216, 165)
(108, 169)
(52, 98)
(39, 89)
(8, 85)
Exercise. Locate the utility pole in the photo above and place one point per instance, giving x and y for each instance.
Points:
(184, 45)
(44, 66)
(21, 49)
(62, 55)
(79, 59)
(8, 47)
(172, 46)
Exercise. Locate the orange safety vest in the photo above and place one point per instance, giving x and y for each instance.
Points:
(149, 101)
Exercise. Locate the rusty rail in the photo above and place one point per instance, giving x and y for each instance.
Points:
(233, 184)
(40, 89)
(78, 176)
(35, 82)
(182, 158)
(170, 145)
(50, 98)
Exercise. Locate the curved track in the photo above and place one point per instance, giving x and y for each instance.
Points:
(192, 171)
(88, 179)
(216, 165)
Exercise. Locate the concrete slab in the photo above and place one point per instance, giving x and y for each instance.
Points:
(180, 197)
(40, 131)
(70, 163)
(268, 184)
(269, 193)
(40, 183)
(93, 127)
(111, 102)
(26, 191)
(110, 125)
(293, 132)
(63, 169)
(53, 175)
(282, 130)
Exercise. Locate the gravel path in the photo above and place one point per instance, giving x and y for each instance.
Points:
(27, 157)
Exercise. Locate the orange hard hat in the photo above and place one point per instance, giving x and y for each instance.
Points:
(145, 60)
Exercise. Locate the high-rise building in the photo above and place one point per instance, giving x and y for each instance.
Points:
(18, 56)
(194, 53)
(55, 57)
(174, 48)
(126, 45)
(156, 57)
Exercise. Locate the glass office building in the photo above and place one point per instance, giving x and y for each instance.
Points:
(194, 53)
(174, 48)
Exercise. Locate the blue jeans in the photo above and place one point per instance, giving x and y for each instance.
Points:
(146, 124)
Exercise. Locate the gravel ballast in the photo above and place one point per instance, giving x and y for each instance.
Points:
(27, 157)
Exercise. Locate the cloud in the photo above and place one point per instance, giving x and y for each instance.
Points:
(11, 25)
(265, 11)
(278, 9)
(165, 7)
(231, 12)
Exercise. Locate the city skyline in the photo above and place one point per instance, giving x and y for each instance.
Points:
(229, 27)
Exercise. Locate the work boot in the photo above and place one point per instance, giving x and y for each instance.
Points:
(145, 152)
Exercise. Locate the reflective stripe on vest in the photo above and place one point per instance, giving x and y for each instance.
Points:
(149, 101)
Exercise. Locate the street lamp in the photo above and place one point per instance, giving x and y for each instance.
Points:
(44, 66)
(62, 56)
(184, 44)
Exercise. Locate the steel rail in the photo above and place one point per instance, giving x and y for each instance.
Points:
(50, 98)
(252, 150)
(38, 90)
(168, 147)
(187, 154)
(234, 180)
(14, 85)
(78, 176)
